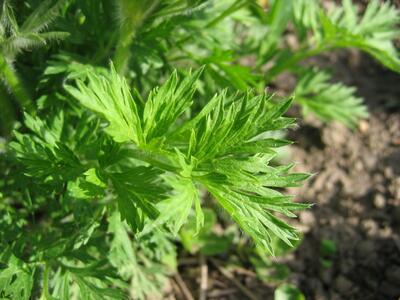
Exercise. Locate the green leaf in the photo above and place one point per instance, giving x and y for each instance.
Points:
(373, 32)
(226, 149)
(279, 15)
(222, 67)
(255, 218)
(288, 292)
(90, 187)
(229, 125)
(329, 101)
(14, 39)
(260, 146)
(16, 279)
(177, 208)
(165, 104)
(53, 164)
(328, 248)
(90, 291)
(62, 284)
(205, 240)
(146, 276)
(109, 96)
(269, 270)
(138, 190)
(42, 16)
(8, 21)
(305, 15)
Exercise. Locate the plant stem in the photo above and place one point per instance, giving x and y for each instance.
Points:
(15, 85)
(133, 15)
(45, 293)
(123, 53)
(291, 61)
(326, 46)
(159, 160)
(230, 10)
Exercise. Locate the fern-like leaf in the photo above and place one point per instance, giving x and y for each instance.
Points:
(329, 101)
(222, 148)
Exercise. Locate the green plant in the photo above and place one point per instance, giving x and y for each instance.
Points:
(318, 31)
(14, 39)
(112, 166)
(328, 249)
(146, 168)
(288, 292)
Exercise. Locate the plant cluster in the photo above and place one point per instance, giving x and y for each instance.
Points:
(125, 123)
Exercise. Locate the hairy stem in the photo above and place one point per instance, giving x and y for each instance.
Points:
(123, 53)
(132, 14)
(15, 85)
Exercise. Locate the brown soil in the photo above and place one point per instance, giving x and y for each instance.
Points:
(357, 195)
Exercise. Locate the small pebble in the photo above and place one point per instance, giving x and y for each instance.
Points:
(371, 226)
(379, 201)
(363, 126)
(307, 218)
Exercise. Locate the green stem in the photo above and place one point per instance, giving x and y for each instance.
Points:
(230, 10)
(158, 160)
(292, 61)
(15, 85)
(134, 14)
(45, 293)
(325, 46)
(123, 53)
